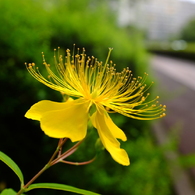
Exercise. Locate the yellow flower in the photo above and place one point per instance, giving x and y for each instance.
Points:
(92, 84)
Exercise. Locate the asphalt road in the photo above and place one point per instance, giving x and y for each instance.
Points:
(176, 86)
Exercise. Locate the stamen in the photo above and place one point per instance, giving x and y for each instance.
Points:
(85, 77)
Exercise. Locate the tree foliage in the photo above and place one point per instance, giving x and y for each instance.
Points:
(187, 33)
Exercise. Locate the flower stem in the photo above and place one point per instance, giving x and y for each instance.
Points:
(79, 163)
(67, 153)
(60, 144)
(54, 160)
(23, 189)
(59, 147)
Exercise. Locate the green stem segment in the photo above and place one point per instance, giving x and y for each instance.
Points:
(60, 144)
(53, 161)
(66, 154)
(23, 189)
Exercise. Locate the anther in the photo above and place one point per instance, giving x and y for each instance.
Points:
(162, 115)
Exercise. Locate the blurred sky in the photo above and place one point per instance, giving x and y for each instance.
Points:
(193, 1)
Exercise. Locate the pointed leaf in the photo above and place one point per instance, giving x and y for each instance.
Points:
(62, 187)
(8, 192)
(9, 162)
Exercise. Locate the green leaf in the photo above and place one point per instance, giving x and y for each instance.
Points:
(8, 192)
(9, 162)
(62, 187)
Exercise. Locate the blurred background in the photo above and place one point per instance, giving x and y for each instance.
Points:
(154, 36)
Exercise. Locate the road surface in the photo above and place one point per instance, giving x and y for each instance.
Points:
(175, 83)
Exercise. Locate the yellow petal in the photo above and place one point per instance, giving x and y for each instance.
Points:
(68, 122)
(100, 122)
(117, 132)
(37, 110)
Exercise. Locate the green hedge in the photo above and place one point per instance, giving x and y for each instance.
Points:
(188, 52)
